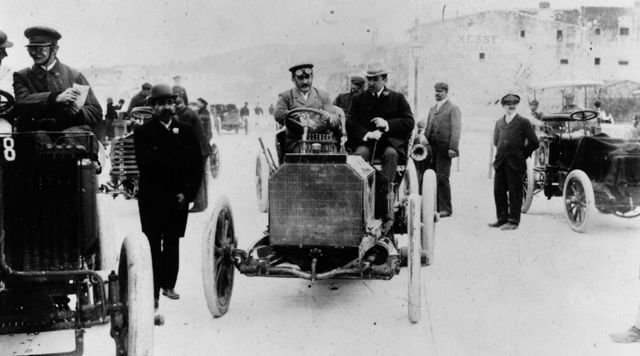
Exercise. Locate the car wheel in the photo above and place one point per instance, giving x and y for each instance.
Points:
(136, 295)
(107, 251)
(246, 126)
(579, 202)
(214, 161)
(414, 265)
(262, 183)
(528, 187)
(217, 261)
(429, 211)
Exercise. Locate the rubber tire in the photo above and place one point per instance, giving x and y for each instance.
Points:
(214, 161)
(136, 294)
(414, 266)
(262, 183)
(528, 187)
(217, 308)
(429, 211)
(409, 183)
(588, 200)
(107, 258)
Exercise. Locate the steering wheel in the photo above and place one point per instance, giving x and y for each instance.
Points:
(142, 113)
(583, 115)
(306, 123)
(6, 102)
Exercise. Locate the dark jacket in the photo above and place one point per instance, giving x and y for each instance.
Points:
(205, 119)
(36, 90)
(443, 127)
(343, 101)
(112, 114)
(514, 142)
(244, 111)
(136, 101)
(292, 99)
(391, 106)
(170, 163)
(187, 116)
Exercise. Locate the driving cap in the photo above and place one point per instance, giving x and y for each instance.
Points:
(510, 98)
(4, 42)
(202, 101)
(146, 86)
(534, 102)
(356, 79)
(441, 86)
(376, 68)
(160, 91)
(300, 66)
(42, 36)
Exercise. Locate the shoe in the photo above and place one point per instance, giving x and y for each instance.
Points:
(497, 223)
(631, 335)
(509, 226)
(444, 214)
(170, 293)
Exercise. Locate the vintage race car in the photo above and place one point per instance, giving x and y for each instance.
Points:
(230, 120)
(59, 266)
(325, 223)
(589, 169)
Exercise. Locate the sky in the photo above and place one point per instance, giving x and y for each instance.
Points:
(131, 32)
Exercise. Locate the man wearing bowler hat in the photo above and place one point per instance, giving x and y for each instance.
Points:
(170, 163)
(379, 125)
(515, 140)
(343, 100)
(304, 95)
(4, 44)
(46, 98)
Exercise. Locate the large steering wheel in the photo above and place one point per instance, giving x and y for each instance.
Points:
(583, 115)
(301, 123)
(6, 102)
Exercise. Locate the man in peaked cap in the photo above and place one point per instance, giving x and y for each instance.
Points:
(169, 160)
(515, 140)
(343, 100)
(179, 90)
(140, 99)
(302, 95)
(4, 44)
(45, 95)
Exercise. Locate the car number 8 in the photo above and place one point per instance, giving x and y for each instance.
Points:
(9, 151)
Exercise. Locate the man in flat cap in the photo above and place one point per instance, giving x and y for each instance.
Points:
(169, 158)
(179, 90)
(303, 95)
(4, 44)
(380, 124)
(140, 99)
(343, 101)
(515, 140)
(46, 96)
(443, 134)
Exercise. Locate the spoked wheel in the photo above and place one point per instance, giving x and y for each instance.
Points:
(579, 202)
(429, 211)
(528, 187)
(217, 259)
(262, 183)
(414, 265)
(214, 161)
(136, 295)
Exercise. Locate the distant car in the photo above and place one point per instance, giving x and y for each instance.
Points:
(230, 120)
(590, 171)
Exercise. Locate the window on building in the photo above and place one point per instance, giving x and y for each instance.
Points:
(596, 61)
(623, 62)
(522, 33)
(481, 56)
(597, 31)
(559, 35)
(564, 61)
(624, 31)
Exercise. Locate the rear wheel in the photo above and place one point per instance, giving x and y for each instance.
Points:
(136, 294)
(579, 202)
(414, 265)
(214, 161)
(262, 183)
(528, 187)
(429, 211)
(217, 260)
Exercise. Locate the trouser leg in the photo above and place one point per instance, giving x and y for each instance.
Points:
(515, 195)
(443, 171)
(364, 152)
(500, 193)
(170, 262)
(389, 158)
(156, 255)
(200, 202)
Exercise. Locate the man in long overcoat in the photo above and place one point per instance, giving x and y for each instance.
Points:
(169, 158)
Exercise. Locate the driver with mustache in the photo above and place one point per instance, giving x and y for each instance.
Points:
(304, 95)
(45, 97)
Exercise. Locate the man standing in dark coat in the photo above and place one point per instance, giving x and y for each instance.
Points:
(515, 140)
(140, 99)
(343, 100)
(189, 117)
(169, 159)
(443, 134)
(380, 120)
(46, 98)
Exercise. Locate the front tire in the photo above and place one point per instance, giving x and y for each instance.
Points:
(579, 201)
(414, 265)
(528, 187)
(429, 211)
(262, 183)
(217, 261)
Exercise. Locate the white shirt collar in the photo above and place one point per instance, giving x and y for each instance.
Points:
(508, 117)
(167, 125)
(379, 93)
(440, 103)
(48, 68)
(305, 96)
